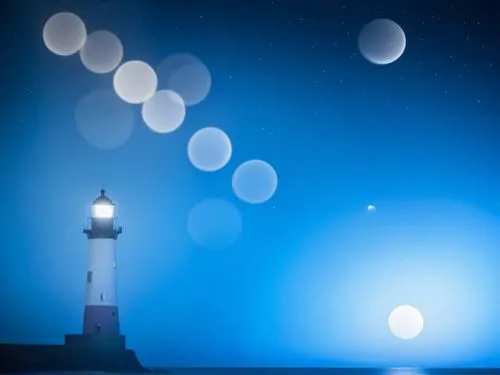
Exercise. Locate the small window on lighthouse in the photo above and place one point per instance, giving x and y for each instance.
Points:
(89, 277)
(103, 297)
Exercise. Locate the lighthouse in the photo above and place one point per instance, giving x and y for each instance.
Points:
(100, 347)
(101, 307)
(101, 323)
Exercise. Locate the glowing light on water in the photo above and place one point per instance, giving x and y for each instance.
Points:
(435, 255)
(404, 371)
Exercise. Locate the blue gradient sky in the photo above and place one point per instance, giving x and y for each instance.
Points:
(313, 276)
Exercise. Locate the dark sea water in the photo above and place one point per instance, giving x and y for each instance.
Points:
(332, 371)
(301, 371)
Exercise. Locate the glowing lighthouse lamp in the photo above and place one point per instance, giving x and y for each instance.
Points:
(103, 207)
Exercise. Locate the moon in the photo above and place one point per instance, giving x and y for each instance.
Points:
(371, 208)
(382, 41)
(406, 322)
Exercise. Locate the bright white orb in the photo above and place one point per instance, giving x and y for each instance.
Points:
(135, 82)
(187, 75)
(164, 112)
(64, 33)
(255, 181)
(214, 224)
(102, 52)
(371, 208)
(209, 149)
(382, 41)
(406, 322)
(105, 121)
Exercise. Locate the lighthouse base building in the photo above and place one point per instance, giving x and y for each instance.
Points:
(100, 346)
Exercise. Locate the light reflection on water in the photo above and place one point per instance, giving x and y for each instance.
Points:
(296, 371)
(302, 371)
(404, 371)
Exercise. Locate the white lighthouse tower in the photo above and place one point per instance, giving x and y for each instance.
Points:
(101, 346)
(101, 308)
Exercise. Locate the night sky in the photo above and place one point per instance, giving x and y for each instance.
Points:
(313, 275)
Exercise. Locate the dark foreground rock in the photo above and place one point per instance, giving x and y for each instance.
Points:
(16, 358)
